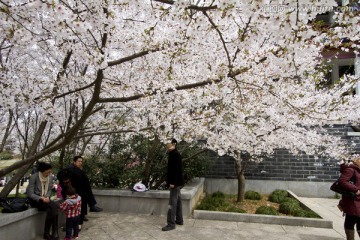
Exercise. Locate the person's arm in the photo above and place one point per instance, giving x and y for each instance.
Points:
(63, 206)
(345, 177)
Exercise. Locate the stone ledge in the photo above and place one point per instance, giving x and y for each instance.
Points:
(30, 222)
(8, 218)
(265, 219)
(149, 202)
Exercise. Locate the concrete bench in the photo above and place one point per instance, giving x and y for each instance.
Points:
(150, 202)
(28, 224)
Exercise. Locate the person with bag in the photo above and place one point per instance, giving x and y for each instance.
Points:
(343, 164)
(39, 192)
(351, 204)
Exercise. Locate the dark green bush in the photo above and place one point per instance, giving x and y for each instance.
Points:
(278, 196)
(289, 207)
(290, 199)
(5, 155)
(213, 203)
(141, 159)
(305, 214)
(253, 195)
(234, 209)
(266, 210)
(218, 194)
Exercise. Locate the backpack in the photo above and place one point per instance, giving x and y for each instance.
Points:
(14, 204)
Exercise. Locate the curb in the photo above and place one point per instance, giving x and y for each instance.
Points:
(265, 219)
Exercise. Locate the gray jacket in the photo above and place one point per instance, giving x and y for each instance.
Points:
(33, 190)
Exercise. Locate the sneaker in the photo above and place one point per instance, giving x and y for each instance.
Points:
(76, 237)
(95, 209)
(179, 223)
(168, 228)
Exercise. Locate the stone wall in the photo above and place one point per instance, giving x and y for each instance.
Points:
(284, 166)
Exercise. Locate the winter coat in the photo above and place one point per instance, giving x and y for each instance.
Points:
(351, 205)
(33, 190)
(175, 172)
(71, 206)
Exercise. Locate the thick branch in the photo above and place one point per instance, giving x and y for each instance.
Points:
(132, 57)
(193, 7)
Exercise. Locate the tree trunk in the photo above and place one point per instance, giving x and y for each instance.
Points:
(7, 131)
(241, 188)
(241, 180)
(241, 162)
(22, 171)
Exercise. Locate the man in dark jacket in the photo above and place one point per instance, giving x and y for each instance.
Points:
(175, 181)
(80, 181)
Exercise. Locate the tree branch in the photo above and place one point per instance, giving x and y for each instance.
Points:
(132, 57)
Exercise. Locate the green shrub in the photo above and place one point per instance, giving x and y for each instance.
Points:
(141, 159)
(266, 210)
(213, 203)
(290, 199)
(5, 155)
(278, 196)
(252, 195)
(305, 214)
(218, 194)
(289, 207)
(234, 209)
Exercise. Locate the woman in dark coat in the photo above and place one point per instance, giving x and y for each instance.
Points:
(39, 192)
(351, 205)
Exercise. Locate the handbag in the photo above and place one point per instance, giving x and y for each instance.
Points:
(14, 204)
(338, 188)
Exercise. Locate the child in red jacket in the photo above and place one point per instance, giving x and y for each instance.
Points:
(72, 208)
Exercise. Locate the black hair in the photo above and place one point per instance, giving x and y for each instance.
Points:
(76, 158)
(43, 166)
(70, 190)
(174, 141)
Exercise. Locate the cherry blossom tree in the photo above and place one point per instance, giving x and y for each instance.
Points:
(237, 73)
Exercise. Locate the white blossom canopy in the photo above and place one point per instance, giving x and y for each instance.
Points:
(241, 74)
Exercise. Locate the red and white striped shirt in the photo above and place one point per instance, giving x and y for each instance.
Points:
(71, 206)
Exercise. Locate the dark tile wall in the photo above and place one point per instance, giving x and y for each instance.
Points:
(283, 165)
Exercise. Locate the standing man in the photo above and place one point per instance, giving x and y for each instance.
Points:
(175, 181)
(80, 181)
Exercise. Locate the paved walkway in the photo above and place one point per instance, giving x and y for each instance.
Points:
(116, 226)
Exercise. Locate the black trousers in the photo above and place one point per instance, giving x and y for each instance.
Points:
(175, 207)
(72, 224)
(51, 208)
(350, 222)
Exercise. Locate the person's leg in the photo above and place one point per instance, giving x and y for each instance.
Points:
(68, 224)
(83, 213)
(349, 226)
(48, 222)
(48, 219)
(53, 213)
(358, 225)
(179, 215)
(172, 210)
(76, 226)
(92, 203)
